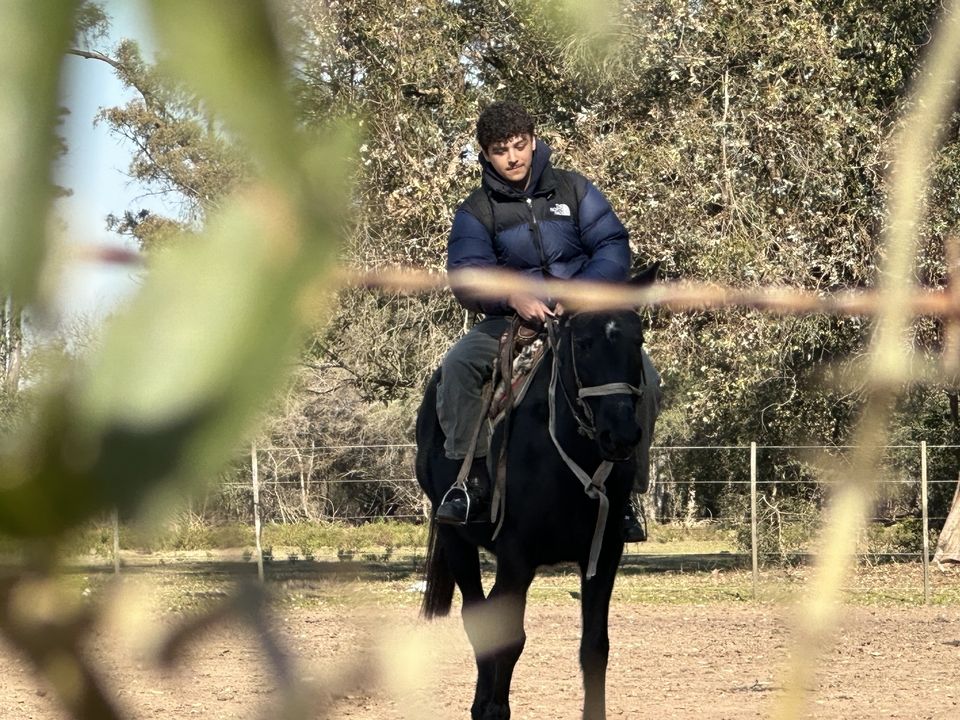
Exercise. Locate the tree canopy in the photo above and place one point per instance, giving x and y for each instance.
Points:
(744, 143)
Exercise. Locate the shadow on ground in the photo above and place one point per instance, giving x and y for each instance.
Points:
(396, 568)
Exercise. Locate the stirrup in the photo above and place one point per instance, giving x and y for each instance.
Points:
(460, 487)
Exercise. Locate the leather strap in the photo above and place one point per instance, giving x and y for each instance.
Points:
(500, 476)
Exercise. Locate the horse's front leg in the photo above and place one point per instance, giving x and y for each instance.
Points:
(463, 559)
(473, 614)
(486, 664)
(500, 627)
(595, 596)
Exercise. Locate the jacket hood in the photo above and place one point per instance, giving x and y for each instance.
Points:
(541, 161)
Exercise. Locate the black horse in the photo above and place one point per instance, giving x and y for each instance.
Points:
(581, 404)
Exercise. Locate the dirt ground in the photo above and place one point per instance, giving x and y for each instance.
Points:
(375, 660)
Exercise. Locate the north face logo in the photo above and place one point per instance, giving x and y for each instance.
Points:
(561, 209)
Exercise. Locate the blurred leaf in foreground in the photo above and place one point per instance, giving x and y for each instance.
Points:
(33, 36)
(187, 369)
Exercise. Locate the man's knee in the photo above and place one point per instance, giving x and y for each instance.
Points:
(464, 369)
(472, 356)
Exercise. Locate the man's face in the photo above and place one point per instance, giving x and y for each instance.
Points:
(512, 158)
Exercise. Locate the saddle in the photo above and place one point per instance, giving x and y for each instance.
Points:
(521, 351)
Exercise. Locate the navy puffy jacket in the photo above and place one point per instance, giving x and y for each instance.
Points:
(592, 246)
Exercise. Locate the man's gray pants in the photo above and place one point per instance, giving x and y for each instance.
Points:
(467, 367)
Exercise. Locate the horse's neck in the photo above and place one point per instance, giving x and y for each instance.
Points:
(567, 429)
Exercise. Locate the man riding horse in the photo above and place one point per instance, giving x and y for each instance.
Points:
(533, 218)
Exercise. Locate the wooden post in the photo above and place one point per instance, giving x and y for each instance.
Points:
(255, 473)
(753, 516)
(926, 522)
(116, 542)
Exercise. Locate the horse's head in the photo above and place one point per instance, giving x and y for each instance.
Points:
(606, 365)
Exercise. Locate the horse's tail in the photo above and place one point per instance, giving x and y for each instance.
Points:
(438, 595)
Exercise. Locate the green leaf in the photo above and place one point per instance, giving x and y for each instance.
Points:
(229, 53)
(186, 370)
(34, 37)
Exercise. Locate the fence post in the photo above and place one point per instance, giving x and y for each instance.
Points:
(753, 515)
(255, 474)
(926, 522)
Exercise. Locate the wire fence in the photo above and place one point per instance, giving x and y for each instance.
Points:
(766, 502)
(735, 506)
(783, 469)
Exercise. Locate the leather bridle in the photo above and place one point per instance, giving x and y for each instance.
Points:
(593, 486)
(581, 411)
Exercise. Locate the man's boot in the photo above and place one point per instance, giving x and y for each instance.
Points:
(454, 510)
(633, 528)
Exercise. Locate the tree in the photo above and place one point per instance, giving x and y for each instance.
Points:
(11, 348)
(745, 144)
(180, 152)
(90, 23)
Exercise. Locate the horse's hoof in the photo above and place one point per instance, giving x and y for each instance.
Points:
(497, 712)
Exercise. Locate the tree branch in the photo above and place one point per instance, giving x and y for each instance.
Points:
(94, 55)
(116, 65)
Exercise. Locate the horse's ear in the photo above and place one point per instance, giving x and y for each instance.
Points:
(646, 276)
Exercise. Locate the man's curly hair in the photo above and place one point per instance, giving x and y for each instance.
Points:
(501, 121)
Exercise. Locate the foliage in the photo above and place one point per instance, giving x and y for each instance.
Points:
(786, 529)
(900, 538)
(183, 373)
(181, 151)
(363, 540)
(91, 23)
(741, 143)
(188, 533)
(158, 378)
(746, 144)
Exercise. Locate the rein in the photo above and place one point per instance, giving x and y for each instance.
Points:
(593, 486)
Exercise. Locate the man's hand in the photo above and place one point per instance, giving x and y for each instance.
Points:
(529, 307)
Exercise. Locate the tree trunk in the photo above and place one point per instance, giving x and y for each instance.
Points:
(948, 545)
(12, 346)
(3, 341)
(305, 476)
(663, 489)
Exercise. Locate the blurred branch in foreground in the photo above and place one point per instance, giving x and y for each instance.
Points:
(889, 367)
(676, 296)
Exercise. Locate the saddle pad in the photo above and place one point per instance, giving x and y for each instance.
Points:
(525, 366)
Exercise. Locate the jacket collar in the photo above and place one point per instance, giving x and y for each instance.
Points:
(541, 182)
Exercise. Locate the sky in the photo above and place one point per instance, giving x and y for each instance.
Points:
(94, 169)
